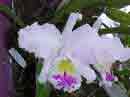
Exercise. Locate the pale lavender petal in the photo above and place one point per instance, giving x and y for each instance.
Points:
(116, 48)
(68, 29)
(122, 54)
(87, 73)
(83, 43)
(42, 40)
(84, 55)
(73, 18)
(80, 36)
(93, 49)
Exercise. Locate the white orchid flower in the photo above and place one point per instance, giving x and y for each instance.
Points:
(126, 9)
(60, 68)
(101, 51)
(68, 55)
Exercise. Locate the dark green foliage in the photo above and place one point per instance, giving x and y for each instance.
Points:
(117, 3)
(42, 90)
(119, 16)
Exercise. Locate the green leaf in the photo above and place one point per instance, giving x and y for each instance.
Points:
(122, 30)
(117, 3)
(119, 16)
(38, 68)
(124, 72)
(126, 40)
(74, 6)
(42, 90)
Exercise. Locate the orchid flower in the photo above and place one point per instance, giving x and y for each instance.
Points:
(101, 51)
(61, 69)
(68, 55)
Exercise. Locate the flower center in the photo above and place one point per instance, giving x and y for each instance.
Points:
(66, 65)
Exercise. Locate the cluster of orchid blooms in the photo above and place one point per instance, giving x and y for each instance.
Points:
(70, 55)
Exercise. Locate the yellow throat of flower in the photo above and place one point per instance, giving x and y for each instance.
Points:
(66, 65)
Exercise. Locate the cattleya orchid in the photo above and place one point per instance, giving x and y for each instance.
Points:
(60, 69)
(68, 55)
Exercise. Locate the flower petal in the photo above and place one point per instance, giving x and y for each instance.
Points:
(125, 9)
(76, 36)
(108, 22)
(87, 73)
(116, 48)
(67, 32)
(40, 39)
(83, 43)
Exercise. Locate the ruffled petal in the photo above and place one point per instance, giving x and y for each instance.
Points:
(42, 40)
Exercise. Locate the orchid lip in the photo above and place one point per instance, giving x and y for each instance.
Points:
(109, 77)
(65, 80)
